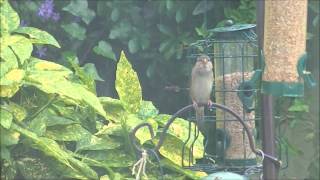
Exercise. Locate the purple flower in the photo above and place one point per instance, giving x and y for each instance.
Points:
(45, 10)
(56, 16)
(23, 23)
(41, 52)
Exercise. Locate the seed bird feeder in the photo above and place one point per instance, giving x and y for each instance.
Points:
(284, 49)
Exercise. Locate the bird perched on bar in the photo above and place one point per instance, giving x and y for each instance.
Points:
(201, 87)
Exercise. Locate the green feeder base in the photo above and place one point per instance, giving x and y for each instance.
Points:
(240, 162)
(283, 89)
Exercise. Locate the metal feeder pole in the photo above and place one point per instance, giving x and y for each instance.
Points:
(268, 136)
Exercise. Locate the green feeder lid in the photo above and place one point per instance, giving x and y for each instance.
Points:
(230, 27)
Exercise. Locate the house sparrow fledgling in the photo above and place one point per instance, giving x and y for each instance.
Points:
(201, 87)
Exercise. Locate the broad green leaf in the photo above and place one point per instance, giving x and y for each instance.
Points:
(8, 90)
(142, 134)
(180, 15)
(165, 30)
(85, 78)
(128, 85)
(169, 4)
(95, 143)
(147, 110)
(120, 30)
(52, 149)
(133, 45)
(38, 124)
(104, 177)
(115, 14)
(113, 129)
(17, 111)
(36, 65)
(6, 118)
(5, 153)
(72, 132)
(8, 137)
(80, 8)
(9, 19)
(35, 168)
(21, 47)
(113, 157)
(177, 168)
(202, 7)
(15, 76)
(113, 107)
(179, 129)
(38, 36)
(299, 106)
(53, 83)
(54, 119)
(8, 60)
(91, 70)
(104, 49)
(75, 30)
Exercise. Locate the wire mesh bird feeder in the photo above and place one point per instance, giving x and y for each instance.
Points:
(234, 52)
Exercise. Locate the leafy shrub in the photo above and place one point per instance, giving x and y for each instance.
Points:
(53, 125)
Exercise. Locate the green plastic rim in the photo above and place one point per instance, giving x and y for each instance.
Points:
(283, 89)
(240, 162)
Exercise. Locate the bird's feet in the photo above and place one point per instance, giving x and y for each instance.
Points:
(194, 104)
(209, 103)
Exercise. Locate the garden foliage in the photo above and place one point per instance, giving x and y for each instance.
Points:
(53, 125)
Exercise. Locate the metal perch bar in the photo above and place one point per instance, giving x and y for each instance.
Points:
(189, 107)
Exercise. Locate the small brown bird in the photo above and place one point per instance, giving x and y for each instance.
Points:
(201, 87)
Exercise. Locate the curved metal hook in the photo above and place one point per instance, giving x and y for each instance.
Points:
(186, 108)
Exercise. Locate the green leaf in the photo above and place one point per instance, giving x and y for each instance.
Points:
(80, 8)
(72, 132)
(95, 143)
(6, 118)
(19, 113)
(8, 60)
(115, 14)
(38, 124)
(91, 70)
(180, 15)
(299, 106)
(202, 7)
(8, 90)
(33, 167)
(58, 120)
(75, 30)
(113, 107)
(15, 76)
(21, 46)
(9, 138)
(165, 29)
(147, 110)
(113, 157)
(143, 134)
(177, 168)
(128, 85)
(179, 129)
(104, 49)
(36, 65)
(52, 149)
(9, 19)
(38, 36)
(169, 4)
(133, 45)
(51, 78)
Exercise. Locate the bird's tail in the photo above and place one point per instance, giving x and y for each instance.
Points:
(200, 119)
